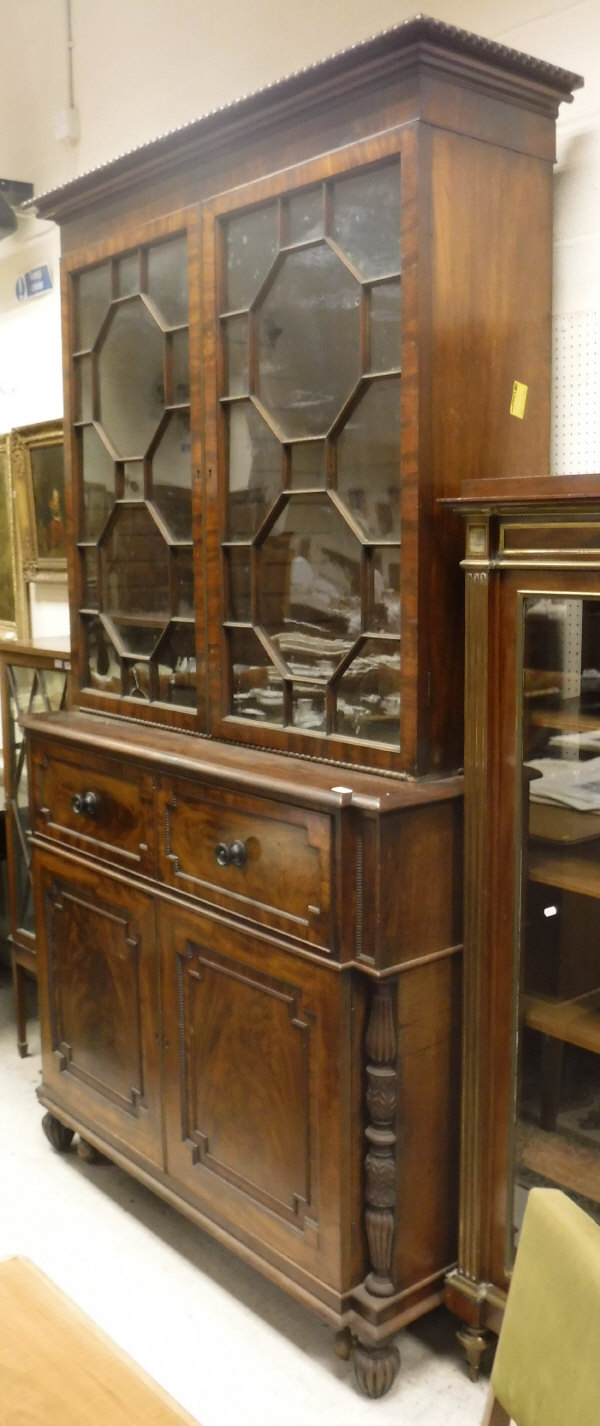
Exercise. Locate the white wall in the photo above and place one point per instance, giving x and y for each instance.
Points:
(142, 67)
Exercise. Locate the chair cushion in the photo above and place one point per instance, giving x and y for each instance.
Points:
(547, 1367)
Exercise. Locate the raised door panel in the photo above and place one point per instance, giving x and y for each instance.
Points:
(99, 1004)
(257, 1090)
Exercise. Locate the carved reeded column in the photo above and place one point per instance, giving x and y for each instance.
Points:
(380, 1162)
(376, 1368)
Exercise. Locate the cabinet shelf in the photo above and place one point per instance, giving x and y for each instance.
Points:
(570, 871)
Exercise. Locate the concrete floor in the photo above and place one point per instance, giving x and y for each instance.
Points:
(225, 1343)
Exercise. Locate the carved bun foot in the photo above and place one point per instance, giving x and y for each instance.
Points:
(474, 1342)
(342, 1345)
(89, 1153)
(57, 1134)
(375, 1368)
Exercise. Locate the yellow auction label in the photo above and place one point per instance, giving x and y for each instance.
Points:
(518, 399)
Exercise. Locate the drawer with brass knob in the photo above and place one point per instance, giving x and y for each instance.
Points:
(268, 861)
(94, 804)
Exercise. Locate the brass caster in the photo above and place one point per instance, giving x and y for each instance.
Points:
(474, 1342)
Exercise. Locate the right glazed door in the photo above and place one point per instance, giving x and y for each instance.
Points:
(307, 436)
(557, 1063)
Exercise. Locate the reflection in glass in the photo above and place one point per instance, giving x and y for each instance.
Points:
(167, 280)
(307, 465)
(131, 379)
(89, 578)
(172, 476)
(135, 565)
(239, 587)
(133, 480)
(183, 577)
(84, 404)
(385, 325)
(103, 671)
(368, 693)
(93, 295)
(256, 686)
(179, 342)
(309, 580)
(305, 216)
(138, 639)
(385, 565)
(236, 355)
(309, 710)
(177, 670)
(368, 461)
(308, 330)
(98, 482)
(250, 246)
(367, 220)
(136, 680)
(255, 469)
(557, 1132)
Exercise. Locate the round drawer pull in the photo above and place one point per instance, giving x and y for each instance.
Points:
(86, 804)
(230, 853)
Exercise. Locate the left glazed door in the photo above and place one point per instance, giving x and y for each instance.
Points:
(99, 1005)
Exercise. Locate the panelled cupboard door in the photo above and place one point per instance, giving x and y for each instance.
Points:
(99, 1004)
(257, 1083)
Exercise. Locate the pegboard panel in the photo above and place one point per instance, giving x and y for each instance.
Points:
(575, 448)
(576, 394)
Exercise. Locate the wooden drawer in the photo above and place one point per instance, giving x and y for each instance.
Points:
(94, 804)
(268, 861)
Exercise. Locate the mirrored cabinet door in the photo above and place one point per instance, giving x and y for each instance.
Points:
(557, 1067)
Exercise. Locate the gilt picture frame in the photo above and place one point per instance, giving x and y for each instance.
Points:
(14, 604)
(38, 479)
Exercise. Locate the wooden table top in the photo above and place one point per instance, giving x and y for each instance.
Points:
(57, 1366)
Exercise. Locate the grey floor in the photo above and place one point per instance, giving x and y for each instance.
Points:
(226, 1344)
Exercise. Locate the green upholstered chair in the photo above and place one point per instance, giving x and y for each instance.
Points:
(547, 1366)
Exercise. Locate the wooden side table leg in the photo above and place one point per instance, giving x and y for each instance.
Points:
(20, 990)
(474, 1341)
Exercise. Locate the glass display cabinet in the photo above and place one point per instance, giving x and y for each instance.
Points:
(33, 679)
(289, 328)
(531, 1099)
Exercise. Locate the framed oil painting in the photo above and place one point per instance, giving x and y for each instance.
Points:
(14, 622)
(38, 477)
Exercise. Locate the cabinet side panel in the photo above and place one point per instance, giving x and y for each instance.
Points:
(490, 285)
(428, 1029)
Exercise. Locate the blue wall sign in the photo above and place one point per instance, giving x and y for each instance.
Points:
(34, 283)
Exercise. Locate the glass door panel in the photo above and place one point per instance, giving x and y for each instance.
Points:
(310, 323)
(133, 461)
(557, 1130)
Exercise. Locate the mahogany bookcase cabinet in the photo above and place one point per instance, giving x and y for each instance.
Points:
(288, 329)
(531, 1086)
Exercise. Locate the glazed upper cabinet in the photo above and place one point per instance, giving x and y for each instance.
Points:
(270, 387)
(289, 329)
(532, 793)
